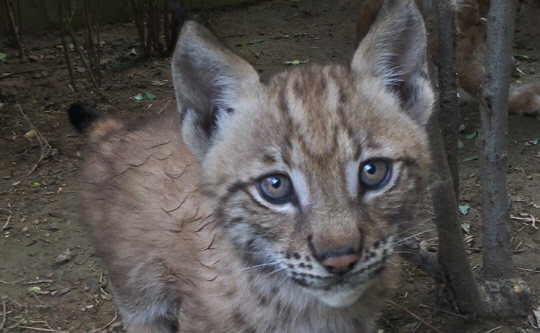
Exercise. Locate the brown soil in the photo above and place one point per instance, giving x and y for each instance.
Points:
(50, 279)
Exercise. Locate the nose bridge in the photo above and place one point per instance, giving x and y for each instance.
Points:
(335, 230)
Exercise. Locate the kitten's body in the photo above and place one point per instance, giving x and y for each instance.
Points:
(277, 206)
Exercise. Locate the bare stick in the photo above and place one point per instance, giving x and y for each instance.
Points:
(8, 75)
(414, 316)
(112, 321)
(444, 311)
(14, 28)
(81, 55)
(494, 329)
(39, 282)
(528, 270)
(64, 45)
(4, 317)
(38, 329)
(45, 147)
(7, 222)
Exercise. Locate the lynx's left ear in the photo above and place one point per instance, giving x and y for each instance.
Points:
(208, 80)
(394, 50)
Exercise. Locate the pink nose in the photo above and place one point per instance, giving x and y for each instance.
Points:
(340, 264)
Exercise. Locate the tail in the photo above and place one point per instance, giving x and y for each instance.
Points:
(524, 99)
(81, 117)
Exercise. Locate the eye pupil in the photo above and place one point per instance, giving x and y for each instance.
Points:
(374, 174)
(276, 189)
(370, 168)
(275, 182)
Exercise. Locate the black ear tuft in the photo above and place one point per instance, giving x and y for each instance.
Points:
(81, 117)
(180, 15)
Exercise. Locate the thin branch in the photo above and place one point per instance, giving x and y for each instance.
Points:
(414, 316)
(8, 75)
(4, 316)
(81, 55)
(14, 27)
(45, 147)
(64, 44)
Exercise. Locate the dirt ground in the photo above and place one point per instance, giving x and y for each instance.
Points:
(50, 278)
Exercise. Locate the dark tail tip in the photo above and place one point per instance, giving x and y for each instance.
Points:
(81, 117)
(181, 15)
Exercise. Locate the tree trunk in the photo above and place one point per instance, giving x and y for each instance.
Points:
(456, 284)
(493, 151)
(448, 98)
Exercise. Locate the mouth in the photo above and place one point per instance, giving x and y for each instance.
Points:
(338, 281)
(342, 289)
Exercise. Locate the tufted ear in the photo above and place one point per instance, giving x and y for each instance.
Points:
(208, 80)
(394, 51)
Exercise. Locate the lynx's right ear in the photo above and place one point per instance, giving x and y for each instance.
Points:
(208, 80)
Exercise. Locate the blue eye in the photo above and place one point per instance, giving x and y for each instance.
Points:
(374, 174)
(276, 189)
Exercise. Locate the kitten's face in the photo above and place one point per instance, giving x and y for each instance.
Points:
(315, 176)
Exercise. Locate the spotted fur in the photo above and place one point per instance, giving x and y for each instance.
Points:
(190, 241)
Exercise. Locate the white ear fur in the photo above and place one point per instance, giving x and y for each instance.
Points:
(394, 50)
(208, 79)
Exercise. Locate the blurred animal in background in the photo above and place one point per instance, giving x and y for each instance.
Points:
(471, 48)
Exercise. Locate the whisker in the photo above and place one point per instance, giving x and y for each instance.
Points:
(402, 240)
(259, 266)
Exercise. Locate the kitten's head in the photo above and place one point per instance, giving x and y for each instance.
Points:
(316, 173)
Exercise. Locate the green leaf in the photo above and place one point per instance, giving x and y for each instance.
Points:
(471, 135)
(118, 65)
(71, 47)
(523, 57)
(296, 62)
(35, 184)
(138, 98)
(239, 44)
(461, 127)
(460, 144)
(2, 56)
(470, 158)
(256, 41)
(150, 96)
(464, 209)
(34, 289)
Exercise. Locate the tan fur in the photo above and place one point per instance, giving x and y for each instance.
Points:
(471, 48)
(189, 241)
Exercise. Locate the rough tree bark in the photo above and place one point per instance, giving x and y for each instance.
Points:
(507, 294)
(457, 285)
(493, 152)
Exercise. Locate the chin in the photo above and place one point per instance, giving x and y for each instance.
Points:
(339, 296)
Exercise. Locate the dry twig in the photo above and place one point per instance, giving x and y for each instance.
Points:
(4, 316)
(39, 282)
(444, 311)
(527, 270)
(7, 222)
(45, 147)
(494, 329)
(414, 316)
